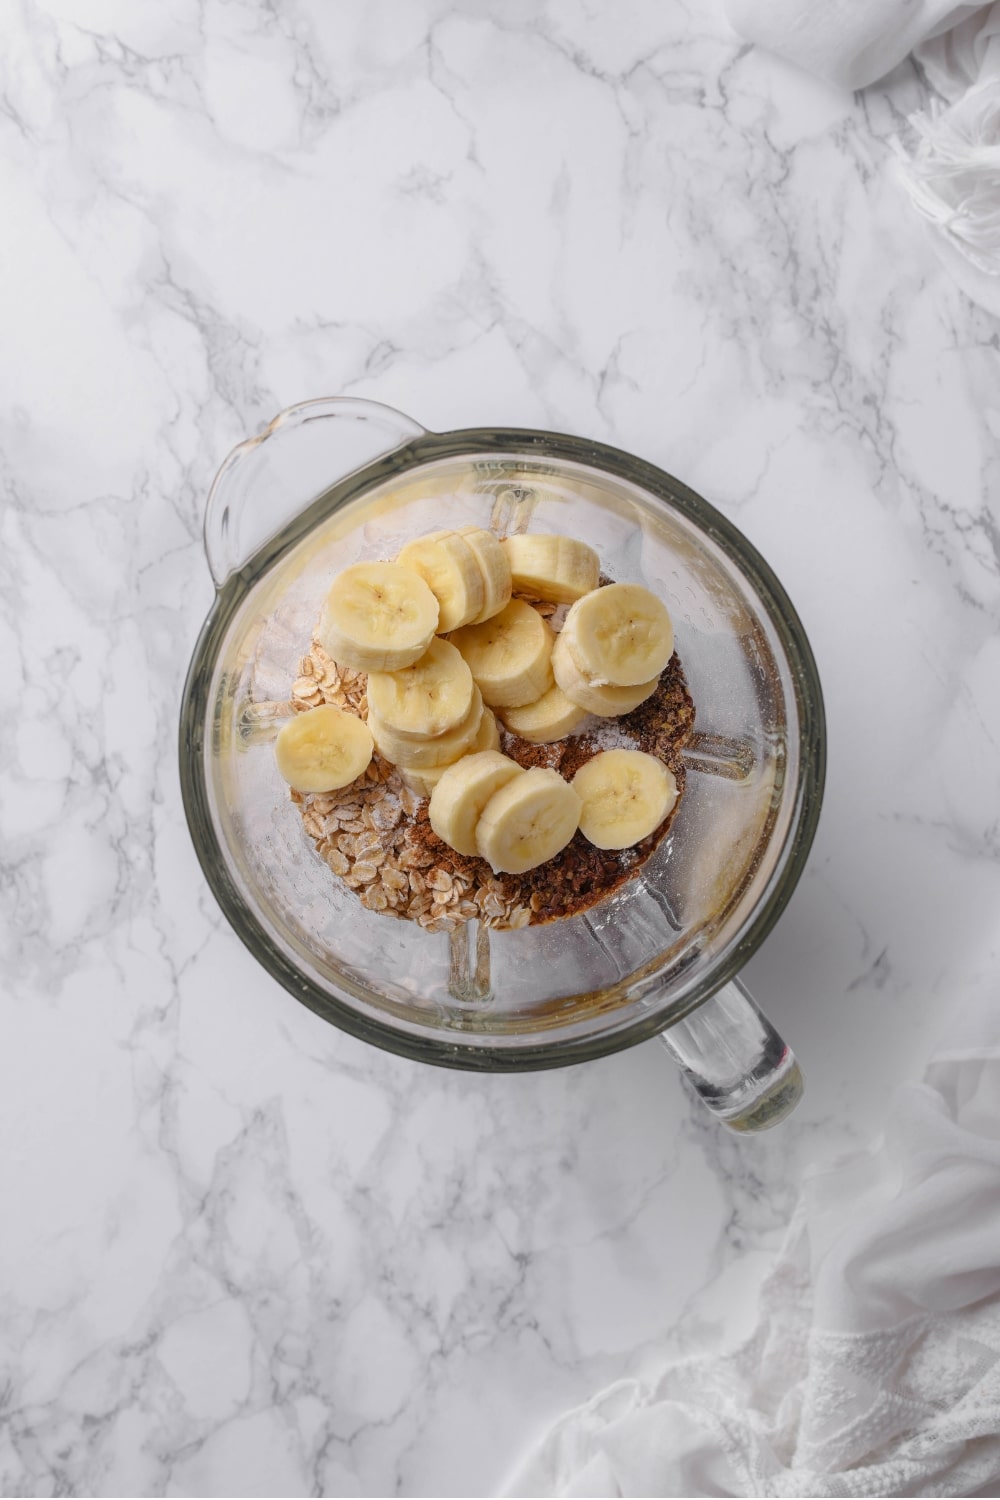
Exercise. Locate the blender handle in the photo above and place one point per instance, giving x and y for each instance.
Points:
(735, 1061)
(260, 487)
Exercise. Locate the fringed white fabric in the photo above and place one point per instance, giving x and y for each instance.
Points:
(952, 175)
(953, 180)
(848, 42)
(874, 1368)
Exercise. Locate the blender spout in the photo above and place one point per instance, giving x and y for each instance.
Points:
(735, 1061)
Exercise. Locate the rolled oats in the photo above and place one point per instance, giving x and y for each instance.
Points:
(386, 814)
(409, 801)
(313, 822)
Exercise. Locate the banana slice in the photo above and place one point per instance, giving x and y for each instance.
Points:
(463, 791)
(424, 782)
(619, 636)
(557, 568)
(378, 617)
(441, 750)
(488, 737)
(550, 717)
(448, 566)
(528, 821)
(605, 701)
(625, 795)
(425, 699)
(509, 655)
(493, 566)
(323, 749)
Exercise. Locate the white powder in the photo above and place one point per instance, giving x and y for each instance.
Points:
(387, 813)
(606, 734)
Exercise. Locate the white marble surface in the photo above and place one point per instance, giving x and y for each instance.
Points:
(240, 1252)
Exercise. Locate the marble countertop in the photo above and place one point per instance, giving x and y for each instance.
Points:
(244, 1253)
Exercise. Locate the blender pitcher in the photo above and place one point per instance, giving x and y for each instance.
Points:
(334, 481)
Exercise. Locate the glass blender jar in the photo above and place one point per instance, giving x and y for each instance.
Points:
(333, 481)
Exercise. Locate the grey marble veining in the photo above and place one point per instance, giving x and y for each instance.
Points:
(239, 1251)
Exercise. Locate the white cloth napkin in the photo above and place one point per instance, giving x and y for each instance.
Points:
(952, 176)
(848, 42)
(875, 1365)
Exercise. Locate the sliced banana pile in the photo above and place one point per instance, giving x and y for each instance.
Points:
(551, 717)
(424, 700)
(613, 646)
(430, 699)
(555, 568)
(423, 779)
(451, 570)
(510, 655)
(516, 819)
